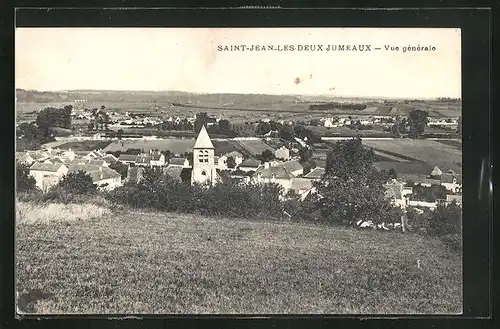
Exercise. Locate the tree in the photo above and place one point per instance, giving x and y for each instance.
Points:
(395, 130)
(352, 189)
(349, 157)
(120, 168)
(77, 182)
(224, 127)
(24, 182)
(119, 133)
(266, 155)
(231, 163)
(393, 174)
(286, 132)
(305, 154)
(446, 219)
(201, 120)
(417, 120)
(167, 154)
(263, 128)
(54, 117)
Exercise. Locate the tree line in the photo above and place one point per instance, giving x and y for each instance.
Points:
(31, 135)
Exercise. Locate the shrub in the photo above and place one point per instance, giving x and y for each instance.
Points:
(446, 219)
(24, 182)
(453, 242)
(159, 191)
(77, 182)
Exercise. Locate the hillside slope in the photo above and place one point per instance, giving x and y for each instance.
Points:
(169, 263)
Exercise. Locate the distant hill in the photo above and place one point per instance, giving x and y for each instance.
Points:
(33, 96)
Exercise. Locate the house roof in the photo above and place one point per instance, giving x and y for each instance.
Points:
(156, 156)
(457, 198)
(52, 167)
(36, 154)
(301, 184)
(141, 158)
(273, 172)
(96, 162)
(436, 171)
(203, 140)
(234, 154)
(177, 161)
(82, 153)
(109, 159)
(394, 190)
(97, 173)
(23, 156)
(127, 157)
(448, 178)
(316, 173)
(291, 165)
(250, 162)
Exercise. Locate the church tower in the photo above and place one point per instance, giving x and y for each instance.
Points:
(204, 170)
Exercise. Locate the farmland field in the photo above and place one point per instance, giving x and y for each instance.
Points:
(451, 142)
(255, 146)
(430, 152)
(85, 145)
(146, 262)
(418, 156)
(175, 145)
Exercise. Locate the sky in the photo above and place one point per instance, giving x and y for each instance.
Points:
(187, 59)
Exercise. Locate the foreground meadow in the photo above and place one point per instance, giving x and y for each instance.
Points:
(87, 259)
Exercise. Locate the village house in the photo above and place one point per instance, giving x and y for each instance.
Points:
(24, 158)
(396, 192)
(157, 159)
(143, 160)
(282, 153)
(179, 162)
(110, 159)
(450, 180)
(273, 175)
(454, 198)
(221, 162)
(97, 162)
(301, 185)
(249, 164)
(237, 156)
(293, 166)
(69, 155)
(104, 177)
(127, 158)
(47, 175)
(315, 174)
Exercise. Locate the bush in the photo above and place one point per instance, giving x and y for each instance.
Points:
(77, 182)
(159, 191)
(446, 219)
(453, 242)
(24, 182)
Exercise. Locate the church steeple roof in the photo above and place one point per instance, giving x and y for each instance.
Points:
(203, 140)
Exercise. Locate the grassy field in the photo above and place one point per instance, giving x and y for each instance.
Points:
(85, 145)
(175, 145)
(255, 147)
(92, 261)
(422, 150)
